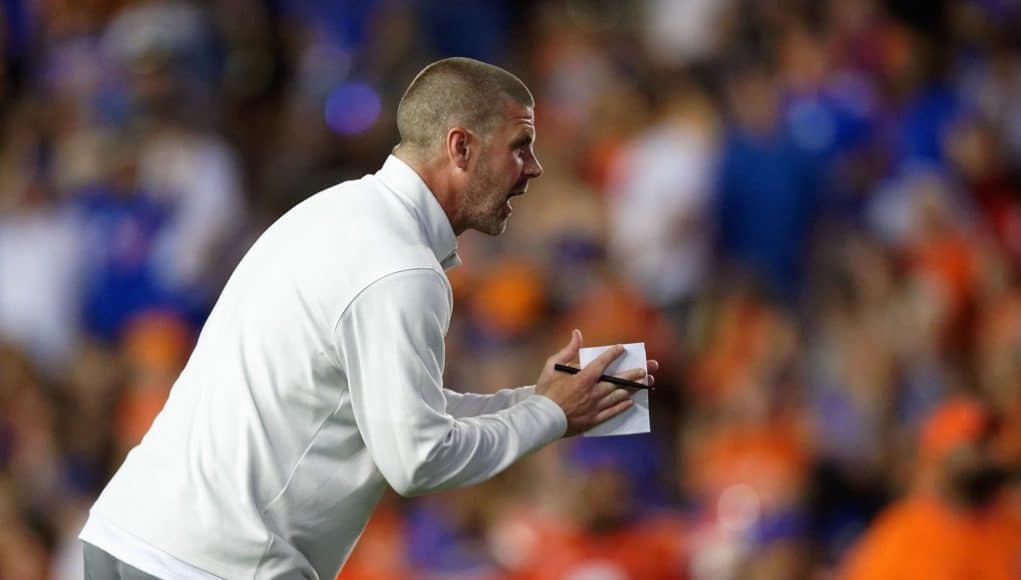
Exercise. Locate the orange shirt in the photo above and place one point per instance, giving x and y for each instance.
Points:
(920, 537)
(771, 458)
(380, 552)
(649, 550)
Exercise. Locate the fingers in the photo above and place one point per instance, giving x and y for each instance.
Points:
(602, 390)
(569, 353)
(652, 365)
(613, 411)
(614, 397)
(633, 375)
(595, 368)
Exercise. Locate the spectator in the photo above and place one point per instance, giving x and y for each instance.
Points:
(662, 180)
(767, 196)
(953, 509)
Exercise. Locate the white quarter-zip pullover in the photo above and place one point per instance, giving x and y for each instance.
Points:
(315, 382)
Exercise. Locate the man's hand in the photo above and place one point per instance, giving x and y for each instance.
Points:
(586, 401)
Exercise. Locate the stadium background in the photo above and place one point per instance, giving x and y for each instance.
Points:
(809, 211)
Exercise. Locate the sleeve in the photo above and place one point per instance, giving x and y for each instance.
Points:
(474, 404)
(390, 342)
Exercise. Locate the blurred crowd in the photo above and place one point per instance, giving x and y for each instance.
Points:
(809, 211)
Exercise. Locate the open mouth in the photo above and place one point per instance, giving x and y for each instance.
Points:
(507, 209)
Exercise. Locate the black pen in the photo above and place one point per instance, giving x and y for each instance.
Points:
(604, 378)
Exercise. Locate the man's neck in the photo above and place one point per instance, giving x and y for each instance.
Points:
(436, 177)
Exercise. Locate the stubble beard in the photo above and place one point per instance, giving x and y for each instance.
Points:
(484, 207)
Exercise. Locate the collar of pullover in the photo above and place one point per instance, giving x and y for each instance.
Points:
(405, 182)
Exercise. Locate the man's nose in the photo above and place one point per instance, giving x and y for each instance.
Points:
(533, 169)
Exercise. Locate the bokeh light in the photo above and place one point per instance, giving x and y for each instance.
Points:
(352, 108)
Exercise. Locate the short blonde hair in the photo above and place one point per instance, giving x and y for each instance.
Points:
(456, 92)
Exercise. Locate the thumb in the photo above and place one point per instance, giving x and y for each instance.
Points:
(570, 352)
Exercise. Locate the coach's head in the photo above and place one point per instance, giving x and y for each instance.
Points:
(467, 128)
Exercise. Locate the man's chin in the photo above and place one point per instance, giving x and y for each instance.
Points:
(497, 229)
(494, 228)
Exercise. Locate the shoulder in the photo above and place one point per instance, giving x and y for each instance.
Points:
(413, 302)
(413, 288)
(360, 222)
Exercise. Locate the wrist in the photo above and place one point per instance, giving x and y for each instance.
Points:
(555, 410)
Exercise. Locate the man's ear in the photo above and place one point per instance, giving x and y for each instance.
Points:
(460, 146)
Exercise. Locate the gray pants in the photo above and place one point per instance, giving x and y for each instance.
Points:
(102, 566)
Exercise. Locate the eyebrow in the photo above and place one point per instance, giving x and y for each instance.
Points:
(522, 140)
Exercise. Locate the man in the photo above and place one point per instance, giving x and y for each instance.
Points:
(956, 522)
(317, 379)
